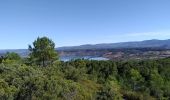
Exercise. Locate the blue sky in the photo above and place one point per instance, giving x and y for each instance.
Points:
(76, 22)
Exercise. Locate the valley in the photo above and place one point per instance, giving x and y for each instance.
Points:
(118, 54)
(141, 50)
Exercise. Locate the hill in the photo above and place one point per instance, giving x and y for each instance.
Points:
(136, 44)
(148, 49)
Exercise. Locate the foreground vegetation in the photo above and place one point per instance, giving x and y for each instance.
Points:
(46, 78)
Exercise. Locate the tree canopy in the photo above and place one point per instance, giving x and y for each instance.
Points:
(81, 79)
(43, 51)
(12, 56)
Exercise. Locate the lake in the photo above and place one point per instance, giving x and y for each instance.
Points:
(68, 58)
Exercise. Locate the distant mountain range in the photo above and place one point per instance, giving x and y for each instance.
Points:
(163, 44)
(136, 44)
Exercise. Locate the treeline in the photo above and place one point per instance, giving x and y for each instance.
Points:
(42, 76)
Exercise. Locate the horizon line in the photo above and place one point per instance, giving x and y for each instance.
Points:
(88, 44)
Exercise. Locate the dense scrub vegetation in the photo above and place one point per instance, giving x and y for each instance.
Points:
(43, 78)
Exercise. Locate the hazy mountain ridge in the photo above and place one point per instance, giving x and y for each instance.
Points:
(136, 44)
(123, 50)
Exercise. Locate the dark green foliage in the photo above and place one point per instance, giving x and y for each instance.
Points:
(105, 93)
(86, 80)
(12, 56)
(72, 73)
(1, 59)
(24, 79)
(43, 51)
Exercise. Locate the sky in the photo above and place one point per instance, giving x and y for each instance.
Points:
(77, 22)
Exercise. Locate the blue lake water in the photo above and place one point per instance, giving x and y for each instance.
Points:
(85, 57)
